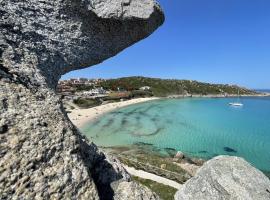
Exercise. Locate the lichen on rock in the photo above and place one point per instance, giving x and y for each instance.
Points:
(42, 154)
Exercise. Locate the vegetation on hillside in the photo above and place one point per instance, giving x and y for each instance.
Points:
(128, 95)
(166, 87)
(163, 191)
(87, 103)
(79, 88)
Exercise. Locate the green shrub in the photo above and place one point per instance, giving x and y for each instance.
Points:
(141, 93)
(87, 103)
(163, 191)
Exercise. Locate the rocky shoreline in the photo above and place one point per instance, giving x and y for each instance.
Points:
(147, 158)
(167, 162)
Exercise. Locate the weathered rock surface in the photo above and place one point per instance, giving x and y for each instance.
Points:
(42, 155)
(133, 191)
(44, 39)
(226, 178)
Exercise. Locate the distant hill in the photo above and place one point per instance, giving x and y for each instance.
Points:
(166, 87)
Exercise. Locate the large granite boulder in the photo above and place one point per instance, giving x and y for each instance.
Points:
(41, 40)
(42, 154)
(226, 178)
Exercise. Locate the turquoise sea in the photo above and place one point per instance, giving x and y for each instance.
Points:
(201, 127)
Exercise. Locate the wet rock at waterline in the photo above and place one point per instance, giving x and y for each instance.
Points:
(225, 178)
(42, 155)
(179, 155)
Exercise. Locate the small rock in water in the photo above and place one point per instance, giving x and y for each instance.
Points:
(228, 149)
(179, 155)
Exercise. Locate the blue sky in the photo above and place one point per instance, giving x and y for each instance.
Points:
(217, 41)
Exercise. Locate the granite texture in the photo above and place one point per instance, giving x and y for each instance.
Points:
(226, 178)
(42, 154)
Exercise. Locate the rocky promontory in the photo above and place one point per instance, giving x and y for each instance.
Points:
(42, 154)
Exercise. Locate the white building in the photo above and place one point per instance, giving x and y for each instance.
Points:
(95, 92)
(145, 88)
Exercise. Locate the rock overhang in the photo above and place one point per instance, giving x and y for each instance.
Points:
(45, 40)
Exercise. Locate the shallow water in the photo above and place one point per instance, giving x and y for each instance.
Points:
(200, 127)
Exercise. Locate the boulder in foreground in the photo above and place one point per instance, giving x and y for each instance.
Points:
(224, 178)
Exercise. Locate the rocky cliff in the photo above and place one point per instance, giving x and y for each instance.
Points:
(42, 154)
(226, 178)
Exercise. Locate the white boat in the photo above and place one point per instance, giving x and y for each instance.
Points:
(238, 103)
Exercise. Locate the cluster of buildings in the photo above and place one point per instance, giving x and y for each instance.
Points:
(87, 88)
(81, 81)
(67, 88)
(95, 92)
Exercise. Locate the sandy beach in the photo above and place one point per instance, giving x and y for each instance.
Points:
(81, 116)
(153, 177)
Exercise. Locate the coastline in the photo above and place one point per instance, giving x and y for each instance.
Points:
(80, 116)
(217, 96)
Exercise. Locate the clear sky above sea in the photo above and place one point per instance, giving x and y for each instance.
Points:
(217, 41)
